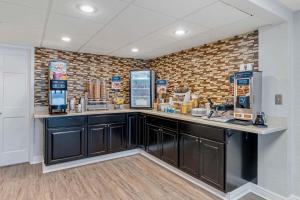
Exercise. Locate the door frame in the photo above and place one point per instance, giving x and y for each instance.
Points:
(30, 96)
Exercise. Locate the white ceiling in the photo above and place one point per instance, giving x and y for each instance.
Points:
(291, 4)
(119, 25)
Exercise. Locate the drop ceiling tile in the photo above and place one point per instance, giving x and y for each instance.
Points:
(105, 9)
(20, 25)
(243, 26)
(79, 30)
(216, 15)
(38, 4)
(147, 44)
(174, 8)
(132, 25)
(191, 28)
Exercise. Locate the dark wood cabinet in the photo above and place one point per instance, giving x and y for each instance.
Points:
(154, 140)
(202, 153)
(133, 132)
(141, 129)
(224, 159)
(169, 146)
(189, 154)
(97, 140)
(212, 166)
(65, 144)
(162, 139)
(117, 137)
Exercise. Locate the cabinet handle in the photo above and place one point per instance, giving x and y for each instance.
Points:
(200, 141)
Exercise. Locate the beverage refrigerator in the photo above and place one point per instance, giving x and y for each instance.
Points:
(142, 84)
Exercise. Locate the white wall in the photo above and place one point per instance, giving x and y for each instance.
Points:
(296, 164)
(273, 150)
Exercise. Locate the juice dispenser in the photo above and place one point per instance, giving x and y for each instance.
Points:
(57, 87)
(247, 95)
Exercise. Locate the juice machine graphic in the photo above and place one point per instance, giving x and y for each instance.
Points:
(57, 87)
(247, 95)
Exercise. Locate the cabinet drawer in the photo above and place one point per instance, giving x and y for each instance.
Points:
(208, 132)
(65, 121)
(163, 122)
(106, 119)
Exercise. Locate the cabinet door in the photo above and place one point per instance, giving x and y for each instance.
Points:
(65, 144)
(141, 122)
(153, 140)
(132, 132)
(116, 137)
(189, 154)
(97, 139)
(212, 163)
(169, 147)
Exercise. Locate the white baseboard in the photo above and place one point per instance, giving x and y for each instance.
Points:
(86, 161)
(266, 194)
(36, 160)
(239, 192)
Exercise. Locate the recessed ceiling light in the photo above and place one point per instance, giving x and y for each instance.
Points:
(66, 39)
(180, 32)
(134, 50)
(87, 8)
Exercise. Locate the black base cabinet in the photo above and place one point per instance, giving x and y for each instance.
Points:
(117, 137)
(202, 153)
(224, 159)
(212, 163)
(169, 146)
(189, 159)
(97, 140)
(65, 139)
(141, 131)
(162, 139)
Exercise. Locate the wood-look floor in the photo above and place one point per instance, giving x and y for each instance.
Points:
(133, 177)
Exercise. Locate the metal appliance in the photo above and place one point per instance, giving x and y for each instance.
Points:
(247, 95)
(142, 84)
(57, 87)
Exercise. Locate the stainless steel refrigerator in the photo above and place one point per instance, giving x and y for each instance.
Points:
(142, 86)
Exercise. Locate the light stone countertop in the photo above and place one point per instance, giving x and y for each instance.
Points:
(274, 124)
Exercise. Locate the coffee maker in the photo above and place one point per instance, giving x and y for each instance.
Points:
(57, 87)
(247, 95)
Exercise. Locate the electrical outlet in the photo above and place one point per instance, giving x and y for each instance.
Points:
(278, 99)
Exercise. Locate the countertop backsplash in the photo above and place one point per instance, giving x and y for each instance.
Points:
(82, 67)
(207, 68)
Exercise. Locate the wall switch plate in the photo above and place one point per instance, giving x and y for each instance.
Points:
(278, 99)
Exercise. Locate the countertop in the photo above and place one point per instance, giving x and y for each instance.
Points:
(274, 124)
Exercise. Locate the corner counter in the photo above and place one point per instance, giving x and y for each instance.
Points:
(275, 124)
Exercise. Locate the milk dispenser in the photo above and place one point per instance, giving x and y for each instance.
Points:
(57, 87)
(247, 95)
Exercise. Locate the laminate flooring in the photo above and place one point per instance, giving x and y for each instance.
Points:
(127, 178)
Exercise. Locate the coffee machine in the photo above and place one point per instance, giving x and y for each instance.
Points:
(57, 87)
(247, 95)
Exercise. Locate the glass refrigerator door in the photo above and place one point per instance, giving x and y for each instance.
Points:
(141, 89)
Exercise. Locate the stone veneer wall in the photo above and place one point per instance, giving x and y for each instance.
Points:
(81, 67)
(207, 68)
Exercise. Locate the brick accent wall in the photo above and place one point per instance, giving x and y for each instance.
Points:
(207, 68)
(81, 67)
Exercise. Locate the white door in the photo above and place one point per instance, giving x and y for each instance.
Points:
(14, 105)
